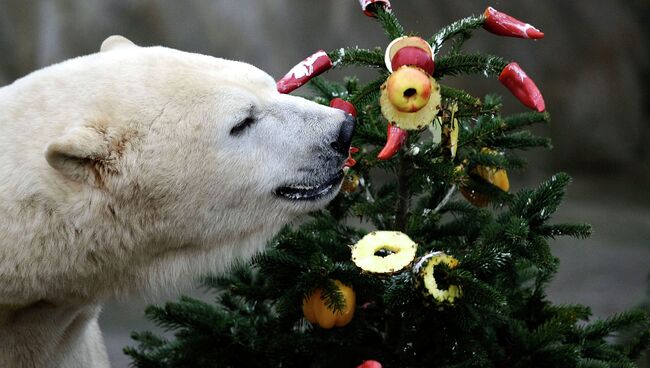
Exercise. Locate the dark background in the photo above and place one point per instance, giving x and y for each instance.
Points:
(593, 68)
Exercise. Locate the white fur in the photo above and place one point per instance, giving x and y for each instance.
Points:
(118, 175)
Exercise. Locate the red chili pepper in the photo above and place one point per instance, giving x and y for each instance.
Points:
(504, 25)
(395, 138)
(522, 87)
(346, 106)
(368, 6)
(307, 69)
(350, 161)
(370, 364)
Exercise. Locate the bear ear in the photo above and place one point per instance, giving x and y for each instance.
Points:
(115, 42)
(85, 154)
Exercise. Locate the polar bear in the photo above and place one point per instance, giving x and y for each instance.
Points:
(136, 167)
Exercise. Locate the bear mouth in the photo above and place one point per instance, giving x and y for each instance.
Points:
(303, 192)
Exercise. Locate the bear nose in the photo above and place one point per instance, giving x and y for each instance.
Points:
(344, 139)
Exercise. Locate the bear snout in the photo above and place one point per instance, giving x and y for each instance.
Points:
(342, 143)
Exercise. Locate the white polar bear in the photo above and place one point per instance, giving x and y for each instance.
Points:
(133, 168)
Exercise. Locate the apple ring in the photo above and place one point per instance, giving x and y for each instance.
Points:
(417, 119)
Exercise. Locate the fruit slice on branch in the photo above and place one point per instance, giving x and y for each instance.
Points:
(307, 69)
(413, 56)
(384, 252)
(503, 24)
(410, 98)
(434, 287)
(450, 128)
(412, 50)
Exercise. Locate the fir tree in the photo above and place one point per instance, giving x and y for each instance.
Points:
(502, 318)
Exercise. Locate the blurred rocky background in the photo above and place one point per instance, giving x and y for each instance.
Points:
(593, 68)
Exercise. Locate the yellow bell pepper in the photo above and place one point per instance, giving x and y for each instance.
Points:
(316, 311)
(496, 177)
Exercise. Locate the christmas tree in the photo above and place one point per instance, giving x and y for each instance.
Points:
(454, 270)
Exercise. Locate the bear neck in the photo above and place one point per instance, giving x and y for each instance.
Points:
(110, 256)
(48, 333)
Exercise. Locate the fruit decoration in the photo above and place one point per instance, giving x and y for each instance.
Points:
(369, 7)
(395, 138)
(341, 104)
(410, 97)
(348, 108)
(307, 69)
(503, 24)
(370, 364)
(384, 252)
(316, 311)
(411, 55)
(425, 267)
(450, 128)
(522, 87)
(351, 161)
(351, 182)
(436, 130)
(474, 197)
(409, 51)
(494, 176)
(408, 89)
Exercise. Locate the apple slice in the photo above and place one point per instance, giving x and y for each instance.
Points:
(399, 43)
(409, 89)
(415, 56)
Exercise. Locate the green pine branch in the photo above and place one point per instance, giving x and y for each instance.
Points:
(603, 328)
(469, 64)
(460, 96)
(538, 205)
(389, 23)
(355, 56)
(580, 231)
(461, 27)
(326, 89)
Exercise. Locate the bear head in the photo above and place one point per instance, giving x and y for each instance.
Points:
(161, 164)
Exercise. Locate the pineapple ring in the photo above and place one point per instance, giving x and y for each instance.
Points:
(400, 247)
(425, 267)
